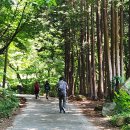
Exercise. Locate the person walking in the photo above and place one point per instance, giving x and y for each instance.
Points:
(47, 89)
(36, 89)
(62, 88)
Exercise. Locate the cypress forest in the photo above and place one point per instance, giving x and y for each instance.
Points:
(86, 41)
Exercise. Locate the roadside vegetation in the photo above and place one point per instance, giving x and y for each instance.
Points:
(121, 117)
(8, 103)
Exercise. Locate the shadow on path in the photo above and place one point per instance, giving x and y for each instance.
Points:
(42, 114)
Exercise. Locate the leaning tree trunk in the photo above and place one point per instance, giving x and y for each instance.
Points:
(17, 73)
(15, 32)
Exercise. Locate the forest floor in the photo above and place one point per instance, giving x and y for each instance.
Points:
(87, 107)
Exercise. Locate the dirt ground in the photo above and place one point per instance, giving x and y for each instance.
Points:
(87, 107)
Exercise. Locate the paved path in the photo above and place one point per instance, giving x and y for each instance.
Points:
(42, 114)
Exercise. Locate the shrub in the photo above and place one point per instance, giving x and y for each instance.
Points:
(121, 120)
(8, 102)
(126, 127)
(122, 100)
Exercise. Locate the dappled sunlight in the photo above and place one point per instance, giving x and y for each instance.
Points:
(53, 102)
(95, 117)
(45, 114)
(77, 110)
(24, 115)
(28, 128)
(77, 114)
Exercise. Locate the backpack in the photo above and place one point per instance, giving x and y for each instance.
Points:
(47, 87)
(60, 90)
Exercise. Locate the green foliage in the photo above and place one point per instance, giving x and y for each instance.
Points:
(126, 127)
(116, 79)
(121, 120)
(8, 102)
(27, 61)
(53, 92)
(113, 120)
(17, 15)
(35, 53)
(122, 100)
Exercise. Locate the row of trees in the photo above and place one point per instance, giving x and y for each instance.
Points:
(96, 34)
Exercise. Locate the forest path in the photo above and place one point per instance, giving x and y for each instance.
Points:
(43, 114)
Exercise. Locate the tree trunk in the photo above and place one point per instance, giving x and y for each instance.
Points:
(88, 55)
(117, 43)
(129, 42)
(106, 42)
(71, 73)
(121, 39)
(99, 46)
(5, 67)
(82, 62)
(67, 59)
(93, 54)
(113, 39)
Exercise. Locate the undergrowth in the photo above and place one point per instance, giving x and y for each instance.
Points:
(122, 110)
(8, 103)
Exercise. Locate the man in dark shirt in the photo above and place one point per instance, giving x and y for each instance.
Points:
(47, 89)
